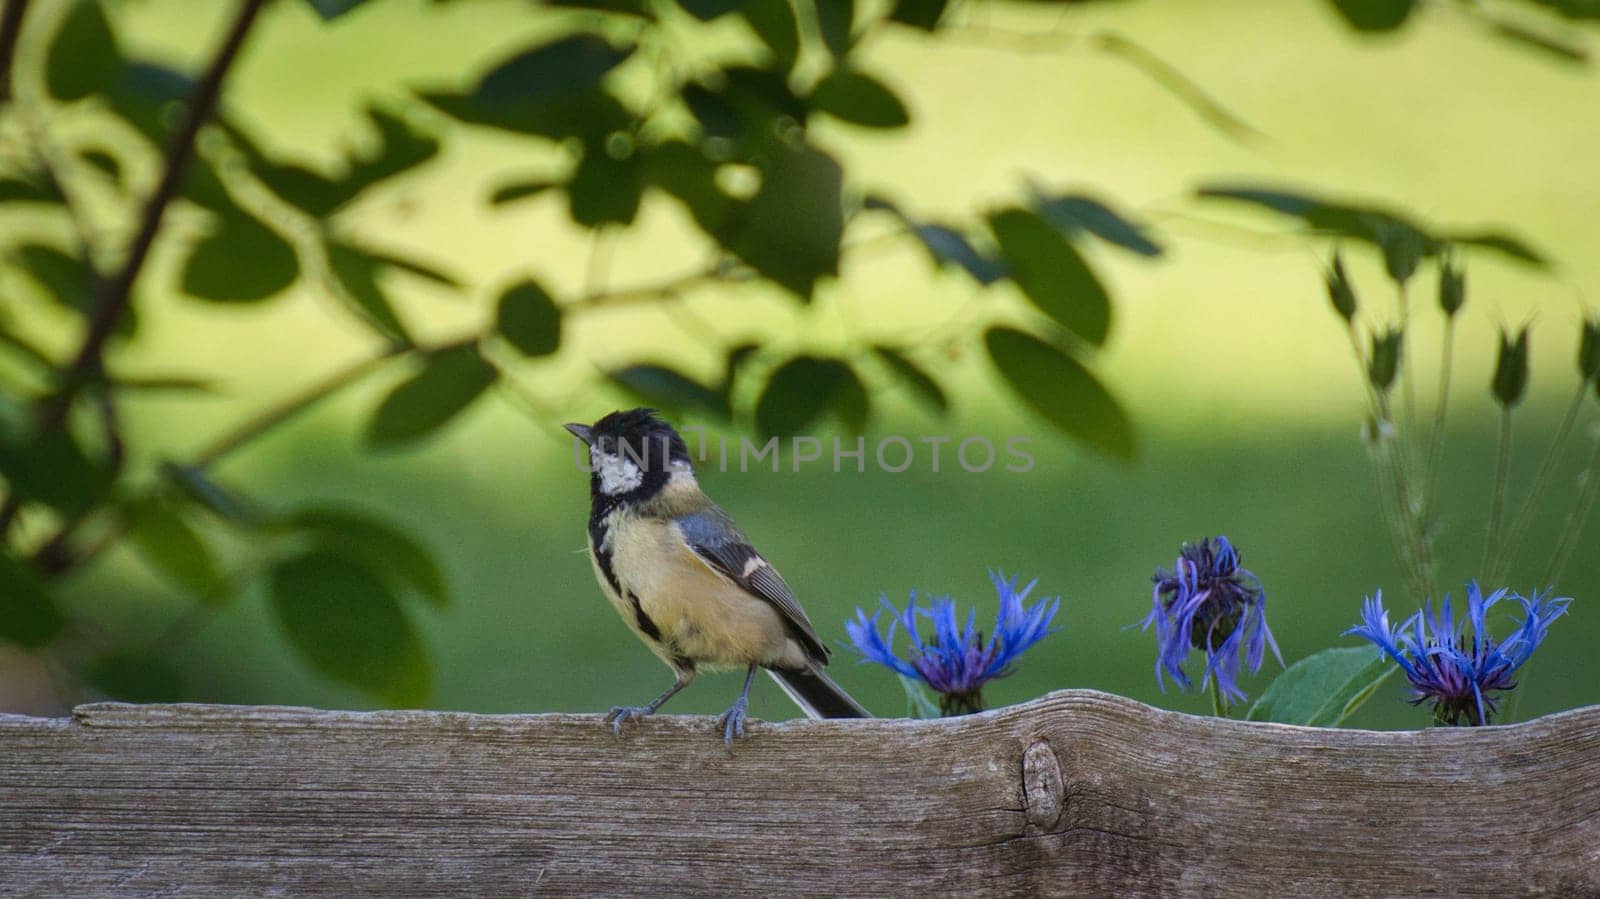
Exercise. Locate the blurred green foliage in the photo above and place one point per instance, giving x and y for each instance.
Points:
(712, 108)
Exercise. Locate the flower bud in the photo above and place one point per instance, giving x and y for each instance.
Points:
(1589, 349)
(1452, 287)
(1402, 250)
(1384, 362)
(1340, 293)
(1511, 370)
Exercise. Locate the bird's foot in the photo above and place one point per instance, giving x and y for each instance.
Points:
(624, 713)
(732, 720)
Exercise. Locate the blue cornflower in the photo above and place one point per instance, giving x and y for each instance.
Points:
(1457, 674)
(1208, 602)
(956, 661)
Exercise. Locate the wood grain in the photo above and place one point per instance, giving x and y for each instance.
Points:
(1075, 793)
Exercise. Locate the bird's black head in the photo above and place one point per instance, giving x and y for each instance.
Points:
(632, 454)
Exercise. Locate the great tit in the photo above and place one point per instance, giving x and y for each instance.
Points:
(685, 579)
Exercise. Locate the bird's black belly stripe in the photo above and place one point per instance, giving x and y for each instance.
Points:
(603, 559)
(643, 620)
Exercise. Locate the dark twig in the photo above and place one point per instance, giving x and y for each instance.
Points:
(10, 30)
(115, 293)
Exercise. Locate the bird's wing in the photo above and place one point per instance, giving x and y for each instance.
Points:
(718, 542)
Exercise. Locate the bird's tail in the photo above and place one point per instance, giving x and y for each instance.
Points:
(817, 695)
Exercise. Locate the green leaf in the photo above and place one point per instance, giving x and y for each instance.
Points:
(1389, 231)
(1501, 243)
(923, 14)
(790, 230)
(804, 388)
(565, 67)
(860, 99)
(1323, 689)
(835, 19)
(163, 383)
(1534, 39)
(400, 148)
(377, 545)
(743, 108)
(166, 542)
(774, 23)
(1052, 274)
(604, 190)
(28, 350)
(529, 319)
(302, 188)
(347, 623)
(513, 191)
(924, 387)
(25, 189)
(589, 115)
(333, 9)
(243, 261)
(1374, 15)
(1075, 212)
(637, 8)
(149, 97)
(28, 613)
(413, 267)
(63, 276)
(51, 468)
(104, 162)
(1059, 388)
(83, 58)
(135, 678)
(448, 383)
(685, 173)
(357, 270)
(660, 386)
(949, 246)
(709, 10)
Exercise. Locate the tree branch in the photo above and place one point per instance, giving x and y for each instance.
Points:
(117, 291)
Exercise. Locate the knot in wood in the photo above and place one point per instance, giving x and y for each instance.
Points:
(1043, 790)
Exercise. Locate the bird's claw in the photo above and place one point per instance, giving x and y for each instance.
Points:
(624, 713)
(732, 721)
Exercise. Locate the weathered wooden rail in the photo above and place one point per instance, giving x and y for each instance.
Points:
(1075, 793)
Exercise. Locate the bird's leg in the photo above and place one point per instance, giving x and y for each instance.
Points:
(624, 713)
(732, 720)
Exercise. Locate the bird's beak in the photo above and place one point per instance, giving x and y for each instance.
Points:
(582, 432)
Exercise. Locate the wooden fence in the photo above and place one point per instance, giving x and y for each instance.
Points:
(1075, 793)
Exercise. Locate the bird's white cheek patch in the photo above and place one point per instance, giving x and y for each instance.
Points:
(618, 473)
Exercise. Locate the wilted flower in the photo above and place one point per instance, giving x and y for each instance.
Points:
(1456, 674)
(954, 660)
(1208, 602)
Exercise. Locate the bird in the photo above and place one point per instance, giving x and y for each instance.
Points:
(687, 581)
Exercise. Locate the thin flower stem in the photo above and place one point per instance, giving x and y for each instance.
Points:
(1408, 383)
(1502, 473)
(1394, 502)
(1219, 705)
(1541, 482)
(1436, 438)
(1575, 521)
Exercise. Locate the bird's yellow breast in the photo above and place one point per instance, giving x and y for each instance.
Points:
(698, 613)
